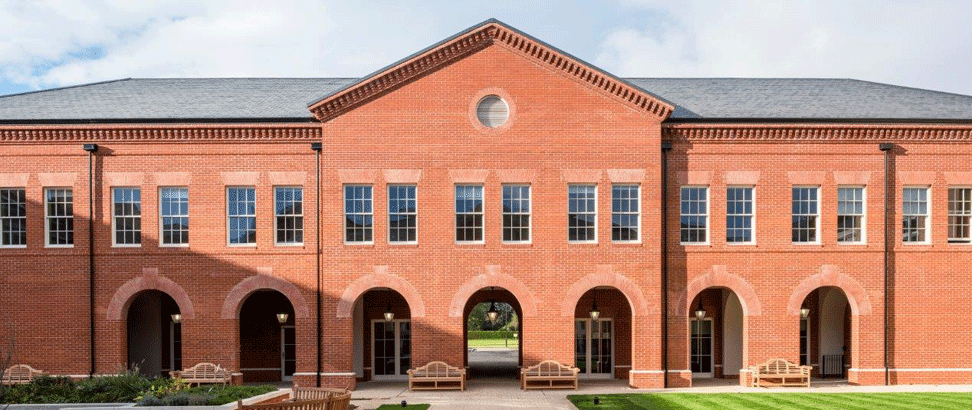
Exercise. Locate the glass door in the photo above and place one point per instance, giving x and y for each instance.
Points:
(805, 341)
(288, 352)
(594, 347)
(701, 348)
(391, 348)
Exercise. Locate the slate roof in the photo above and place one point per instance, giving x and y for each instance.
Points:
(286, 99)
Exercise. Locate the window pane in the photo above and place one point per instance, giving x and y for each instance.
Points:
(581, 213)
(516, 213)
(241, 208)
(469, 213)
(358, 213)
(402, 213)
(625, 213)
(804, 218)
(694, 217)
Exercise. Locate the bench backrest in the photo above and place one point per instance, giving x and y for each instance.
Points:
(437, 369)
(316, 393)
(778, 366)
(19, 373)
(320, 404)
(205, 371)
(550, 368)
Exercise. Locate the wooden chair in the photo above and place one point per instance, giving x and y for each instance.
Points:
(203, 373)
(782, 370)
(549, 374)
(19, 374)
(436, 373)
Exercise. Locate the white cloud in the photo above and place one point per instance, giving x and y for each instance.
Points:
(53, 43)
(923, 44)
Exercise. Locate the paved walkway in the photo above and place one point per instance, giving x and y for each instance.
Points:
(504, 393)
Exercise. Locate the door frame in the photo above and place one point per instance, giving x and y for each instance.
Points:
(586, 374)
(283, 352)
(711, 373)
(398, 351)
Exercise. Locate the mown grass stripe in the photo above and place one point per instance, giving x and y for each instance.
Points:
(777, 401)
(946, 400)
(840, 400)
(743, 401)
(893, 400)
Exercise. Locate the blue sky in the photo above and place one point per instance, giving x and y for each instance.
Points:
(60, 43)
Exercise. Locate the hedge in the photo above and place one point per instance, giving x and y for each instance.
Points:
(491, 334)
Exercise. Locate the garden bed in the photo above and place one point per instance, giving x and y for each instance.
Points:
(128, 388)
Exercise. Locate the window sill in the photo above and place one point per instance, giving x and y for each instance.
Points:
(582, 243)
(627, 243)
(403, 244)
(58, 246)
(289, 245)
(241, 245)
(520, 243)
(178, 245)
(365, 244)
(13, 246)
(126, 246)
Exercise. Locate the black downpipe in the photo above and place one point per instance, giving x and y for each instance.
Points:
(317, 146)
(666, 147)
(887, 147)
(91, 149)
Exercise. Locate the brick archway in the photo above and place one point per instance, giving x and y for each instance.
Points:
(236, 296)
(380, 279)
(830, 276)
(493, 278)
(605, 277)
(151, 281)
(719, 278)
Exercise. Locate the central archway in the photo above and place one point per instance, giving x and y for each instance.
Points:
(603, 339)
(382, 341)
(268, 342)
(482, 359)
(154, 338)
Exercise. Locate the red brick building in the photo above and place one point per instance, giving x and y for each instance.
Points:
(714, 223)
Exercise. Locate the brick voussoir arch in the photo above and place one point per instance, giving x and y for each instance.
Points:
(246, 287)
(631, 291)
(493, 278)
(126, 293)
(718, 277)
(357, 288)
(830, 276)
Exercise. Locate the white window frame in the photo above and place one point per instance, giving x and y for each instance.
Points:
(415, 242)
(25, 219)
(344, 215)
(455, 214)
(228, 216)
(816, 228)
(950, 239)
(114, 232)
(636, 213)
(928, 215)
(398, 348)
(529, 215)
(863, 214)
(588, 338)
(276, 215)
(48, 217)
(594, 212)
(707, 215)
(751, 215)
(161, 228)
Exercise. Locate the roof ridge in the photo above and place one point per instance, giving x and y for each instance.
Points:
(912, 88)
(66, 87)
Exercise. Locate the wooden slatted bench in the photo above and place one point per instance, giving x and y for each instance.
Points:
(19, 374)
(319, 404)
(549, 374)
(788, 373)
(437, 376)
(203, 373)
(300, 393)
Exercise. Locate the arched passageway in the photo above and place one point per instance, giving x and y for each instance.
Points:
(382, 328)
(716, 334)
(268, 339)
(825, 332)
(154, 338)
(603, 340)
(493, 362)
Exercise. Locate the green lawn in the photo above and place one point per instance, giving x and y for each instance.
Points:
(507, 343)
(410, 407)
(772, 401)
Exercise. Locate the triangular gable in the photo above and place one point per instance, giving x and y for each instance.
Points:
(476, 38)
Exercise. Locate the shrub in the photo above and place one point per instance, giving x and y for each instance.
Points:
(491, 334)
